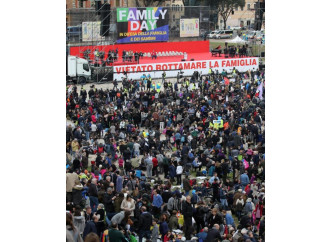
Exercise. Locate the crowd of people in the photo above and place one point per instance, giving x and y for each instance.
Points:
(101, 59)
(131, 55)
(182, 163)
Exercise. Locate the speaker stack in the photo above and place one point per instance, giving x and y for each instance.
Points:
(98, 6)
(105, 19)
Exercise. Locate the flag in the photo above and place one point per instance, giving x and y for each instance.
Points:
(226, 80)
(261, 90)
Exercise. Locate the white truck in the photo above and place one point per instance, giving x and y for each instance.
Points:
(78, 69)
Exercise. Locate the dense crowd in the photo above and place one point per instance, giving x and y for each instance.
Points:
(185, 162)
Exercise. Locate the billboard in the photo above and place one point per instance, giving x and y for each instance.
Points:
(136, 25)
(189, 27)
(188, 67)
(91, 31)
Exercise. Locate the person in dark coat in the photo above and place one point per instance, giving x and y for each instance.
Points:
(77, 193)
(163, 226)
(186, 185)
(215, 187)
(108, 200)
(172, 170)
(76, 164)
(93, 195)
(187, 211)
(100, 223)
(91, 226)
(145, 221)
(77, 134)
(215, 218)
(246, 220)
(213, 234)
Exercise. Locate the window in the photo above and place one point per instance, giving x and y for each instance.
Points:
(173, 16)
(242, 8)
(249, 6)
(255, 6)
(86, 67)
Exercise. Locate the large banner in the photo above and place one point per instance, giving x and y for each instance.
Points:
(188, 67)
(189, 27)
(91, 31)
(135, 25)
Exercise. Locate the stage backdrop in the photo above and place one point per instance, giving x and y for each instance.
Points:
(189, 27)
(135, 25)
(188, 67)
(91, 31)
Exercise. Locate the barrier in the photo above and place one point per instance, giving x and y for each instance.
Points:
(188, 67)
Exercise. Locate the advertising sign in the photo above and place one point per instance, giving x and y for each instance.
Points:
(136, 25)
(188, 67)
(189, 27)
(91, 31)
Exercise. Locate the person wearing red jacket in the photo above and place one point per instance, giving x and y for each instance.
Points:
(154, 166)
(257, 212)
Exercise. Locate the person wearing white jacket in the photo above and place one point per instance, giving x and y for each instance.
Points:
(179, 171)
(239, 207)
(128, 204)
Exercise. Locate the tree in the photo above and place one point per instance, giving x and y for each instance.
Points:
(149, 3)
(225, 7)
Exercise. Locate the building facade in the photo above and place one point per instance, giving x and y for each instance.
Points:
(242, 17)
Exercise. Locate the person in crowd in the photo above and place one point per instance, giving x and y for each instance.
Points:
(145, 221)
(72, 233)
(91, 226)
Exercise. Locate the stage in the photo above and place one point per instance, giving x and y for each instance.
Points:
(199, 58)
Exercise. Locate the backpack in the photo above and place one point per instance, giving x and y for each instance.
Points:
(165, 161)
(248, 207)
(194, 199)
(182, 139)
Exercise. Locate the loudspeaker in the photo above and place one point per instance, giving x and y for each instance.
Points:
(98, 6)
(262, 54)
(105, 20)
(192, 59)
(183, 60)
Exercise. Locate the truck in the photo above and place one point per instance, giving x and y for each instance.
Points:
(78, 69)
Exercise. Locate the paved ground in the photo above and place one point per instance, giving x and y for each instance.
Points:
(109, 85)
